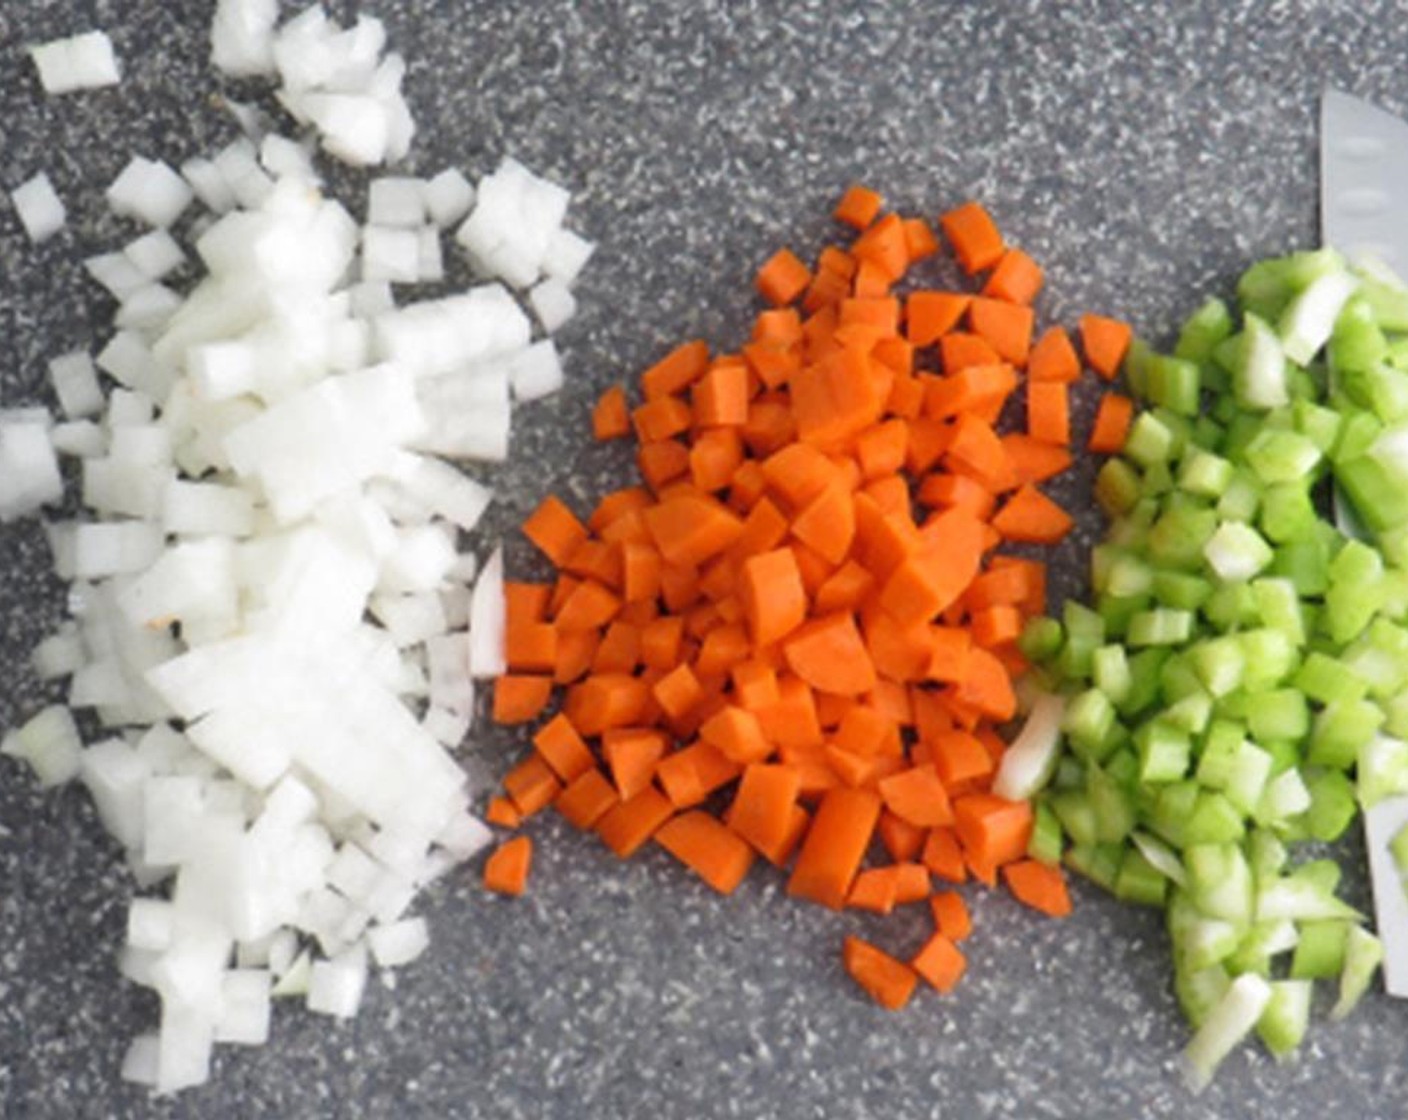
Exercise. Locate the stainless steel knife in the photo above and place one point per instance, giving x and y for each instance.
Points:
(1364, 213)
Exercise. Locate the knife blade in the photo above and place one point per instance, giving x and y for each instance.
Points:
(1364, 213)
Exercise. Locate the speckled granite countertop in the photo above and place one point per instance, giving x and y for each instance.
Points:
(1142, 158)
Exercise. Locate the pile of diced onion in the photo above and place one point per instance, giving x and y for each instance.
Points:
(275, 616)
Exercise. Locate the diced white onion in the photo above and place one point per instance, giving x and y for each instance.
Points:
(39, 207)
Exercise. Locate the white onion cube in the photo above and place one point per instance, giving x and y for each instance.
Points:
(39, 207)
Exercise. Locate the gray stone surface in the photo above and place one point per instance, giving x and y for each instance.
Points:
(1142, 156)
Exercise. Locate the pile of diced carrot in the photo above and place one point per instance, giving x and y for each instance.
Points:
(796, 637)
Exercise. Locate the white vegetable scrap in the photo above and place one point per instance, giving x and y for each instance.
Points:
(84, 61)
(39, 207)
(274, 623)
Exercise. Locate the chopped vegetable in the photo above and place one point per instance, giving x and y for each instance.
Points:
(767, 619)
(1232, 691)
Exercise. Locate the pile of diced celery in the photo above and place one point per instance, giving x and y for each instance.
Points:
(1239, 685)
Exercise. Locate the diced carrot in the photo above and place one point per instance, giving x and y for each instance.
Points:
(918, 796)
(995, 626)
(506, 869)
(1053, 358)
(926, 582)
(829, 654)
(1105, 342)
(1040, 885)
(690, 774)
(974, 237)
(885, 245)
(661, 418)
(754, 684)
(992, 828)
(1048, 412)
(919, 239)
(720, 397)
(531, 785)
(589, 607)
(783, 277)
(661, 461)
(762, 809)
(929, 315)
(828, 523)
(874, 890)
(501, 811)
(555, 530)
(586, 799)
(1016, 279)
(976, 451)
(951, 917)
(675, 371)
(1113, 417)
(774, 599)
(519, 697)
(1006, 327)
(678, 691)
(707, 848)
(834, 845)
(940, 963)
(1034, 460)
(858, 207)
(611, 417)
(531, 646)
(723, 647)
(959, 349)
(887, 981)
(575, 652)
(631, 755)
(943, 855)
(628, 824)
(1029, 515)
(606, 700)
(563, 749)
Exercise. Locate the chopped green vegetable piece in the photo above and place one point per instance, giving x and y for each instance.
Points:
(1286, 1016)
(1139, 881)
(1047, 837)
(1320, 951)
(1363, 954)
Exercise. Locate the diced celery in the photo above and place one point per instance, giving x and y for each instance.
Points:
(1047, 838)
(1359, 431)
(1177, 538)
(1203, 473)
(1340, 730)
(1220, 882)
(1123, 763)
(1279, 606)
(1231, 606)
(1220, 664)
(1041, 638)
(1180, 590)
(1198, 991)
(1381, 769)
(1285, 796)
(1358, 341)
(1207, 942)
(1219, 750)
(1076, 815)
(1174, 383)
(1320, 951)
(1282, 456)
(1259, 381)
(1126, 575)
(1309, 320)
(1111, 672)
(1144, 670)
(1160, 856)
(1113, 807)
(1215, 820)
(1280, 714)
(1149, 440)
(1301, 901)
(1362, 956)
(1231, 1020)
(1317, 423)
(1203, 330)
(1271, 657)
(1262, 942)
(1380, 500)
(1287, 513)
(1190, 713)
(1136, 366)
(1237, 552)
(1306, 563)
(1265, 289)
(1162, 626)
(1248, 772)
(1178, 678)
(1164, 752)
(1284, 1020)
(1325, 680)
(1139, 881)
(1387, 299)
(1100, 863)
(1117, 487)
(1089, 717)
(1173, 811)
(1332, 804)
